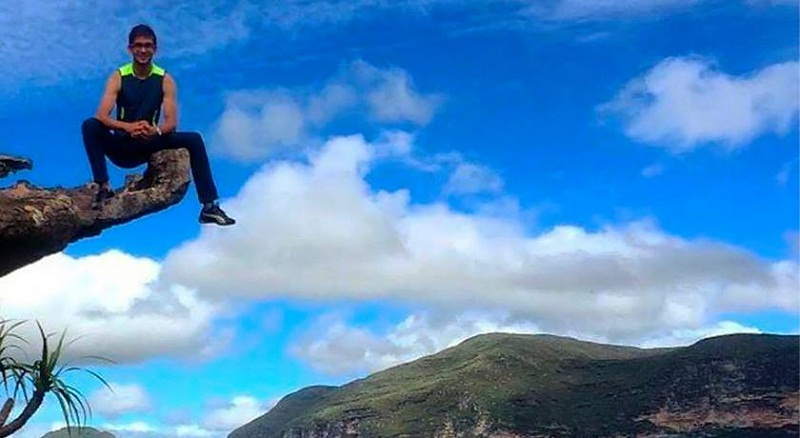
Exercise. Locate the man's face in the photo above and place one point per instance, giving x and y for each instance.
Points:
(142, 49)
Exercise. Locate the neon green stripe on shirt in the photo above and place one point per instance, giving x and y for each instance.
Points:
(127, 70)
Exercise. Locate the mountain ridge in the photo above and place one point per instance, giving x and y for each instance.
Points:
(543, 385)
(78, 432)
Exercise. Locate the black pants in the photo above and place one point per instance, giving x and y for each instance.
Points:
(127, 152)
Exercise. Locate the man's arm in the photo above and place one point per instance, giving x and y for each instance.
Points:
(107, 103)
(169, 105)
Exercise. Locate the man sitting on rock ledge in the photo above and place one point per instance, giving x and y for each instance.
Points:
(140, 90)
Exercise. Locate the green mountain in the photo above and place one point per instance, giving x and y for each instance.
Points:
(78, 432)
(502, 385)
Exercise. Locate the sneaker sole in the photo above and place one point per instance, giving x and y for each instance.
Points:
(218, 220)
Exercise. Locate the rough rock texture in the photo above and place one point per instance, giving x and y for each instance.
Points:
(10, 164)
(769, 411)
(35, 221)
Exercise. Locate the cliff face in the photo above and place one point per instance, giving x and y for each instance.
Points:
(739, 385)
(506, 386)
(36, 222)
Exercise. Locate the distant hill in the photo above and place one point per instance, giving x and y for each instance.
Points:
(502, 385)
(78, 432)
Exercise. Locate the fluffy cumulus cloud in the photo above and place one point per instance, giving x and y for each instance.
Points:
(391, 95)
(255, 124)
(258, 123)
(217, 421)
(471, 178)
(316, 229)
(120, 399)
(682, 337)
(684, 103)
(240, 410)
(109, 301)
(135, 428)
(335, 346)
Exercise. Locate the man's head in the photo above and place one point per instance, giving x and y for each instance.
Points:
(142, 43)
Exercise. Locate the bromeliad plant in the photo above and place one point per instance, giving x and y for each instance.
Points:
(35, 380)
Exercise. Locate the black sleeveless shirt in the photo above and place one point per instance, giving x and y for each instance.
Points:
(140, 99)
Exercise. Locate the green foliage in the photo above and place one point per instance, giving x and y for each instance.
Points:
(539, 385)
(78, 432)
(46, 374)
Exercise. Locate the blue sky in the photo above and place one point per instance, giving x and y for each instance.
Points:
(408, 175)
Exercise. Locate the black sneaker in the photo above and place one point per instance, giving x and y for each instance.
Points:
(102, 195)
(215, 215)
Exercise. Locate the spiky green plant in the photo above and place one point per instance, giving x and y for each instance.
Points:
(35, 380)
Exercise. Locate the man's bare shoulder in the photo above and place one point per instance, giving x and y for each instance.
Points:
(169, 80)
(114, 80)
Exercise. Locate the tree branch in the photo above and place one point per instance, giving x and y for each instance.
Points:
(36, 222)
(6, 411)
(33, 405)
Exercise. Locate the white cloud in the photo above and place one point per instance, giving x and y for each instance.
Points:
(587, 10)
(187, 29)
(772, 2)
(571, 11)
(782, 177)
(334, 99)
(684, 103)
(652, 170)
(470, 178)
(333, 346)
(120, 399)
(143, 429)
(138, 427)
(792, 239)
(257, 123)
(193, 430)
(216, 422)
(683, 337)
(786, 172)
(241, 410)
(35, 430)
(392, 96)
(109, 302)
(101, 28)
(781, 291)
(318, 230)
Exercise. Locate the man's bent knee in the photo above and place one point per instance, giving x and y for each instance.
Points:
(91, 125)
(193, 140)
